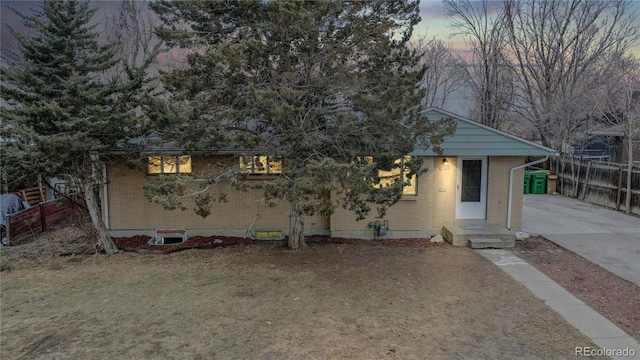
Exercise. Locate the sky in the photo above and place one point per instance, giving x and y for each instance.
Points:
(434, 22)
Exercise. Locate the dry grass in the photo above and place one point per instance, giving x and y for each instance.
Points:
(265, 302)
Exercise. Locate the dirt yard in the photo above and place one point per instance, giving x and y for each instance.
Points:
(260, 301)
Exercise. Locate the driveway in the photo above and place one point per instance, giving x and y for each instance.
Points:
(606, 237)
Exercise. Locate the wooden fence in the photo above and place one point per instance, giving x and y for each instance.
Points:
(24, 225)
(598, 182)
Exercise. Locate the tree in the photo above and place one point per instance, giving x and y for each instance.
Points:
(322, 86)
(619, 104)
(130, 25)
(62, 114)
(489, 75)
(444, 75)
(561, 48)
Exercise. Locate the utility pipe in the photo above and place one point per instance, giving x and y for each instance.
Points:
(513, 169)
(105, 193)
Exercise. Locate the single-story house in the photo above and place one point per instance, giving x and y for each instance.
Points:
(473, 188)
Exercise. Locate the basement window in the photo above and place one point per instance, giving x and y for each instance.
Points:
(158, 165)
(169, 237)
(269, 235)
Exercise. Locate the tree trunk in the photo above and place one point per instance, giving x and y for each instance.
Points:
(296, 228)
(96, 219)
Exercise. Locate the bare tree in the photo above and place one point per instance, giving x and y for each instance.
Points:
(489, 72)
(619, 104)
(131, 24)
(444, 74)
(559, 47)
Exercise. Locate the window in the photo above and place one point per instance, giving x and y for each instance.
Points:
(157, 165)
(388, 177)
(261, 165)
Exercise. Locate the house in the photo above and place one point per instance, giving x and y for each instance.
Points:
(611, 143)
(464, 193)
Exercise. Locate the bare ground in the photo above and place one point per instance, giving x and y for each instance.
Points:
(405, 300)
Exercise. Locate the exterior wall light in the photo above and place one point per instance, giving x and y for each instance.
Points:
(445, 163)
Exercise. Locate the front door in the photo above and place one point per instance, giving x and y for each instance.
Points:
(471, 188)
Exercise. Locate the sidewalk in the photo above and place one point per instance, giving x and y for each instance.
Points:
(603, 332)
(606, 237)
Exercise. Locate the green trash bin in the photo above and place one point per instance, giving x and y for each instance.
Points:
(539, 182)
(527, 182)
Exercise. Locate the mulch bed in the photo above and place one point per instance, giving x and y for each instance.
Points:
(140, 243)
(612, 296)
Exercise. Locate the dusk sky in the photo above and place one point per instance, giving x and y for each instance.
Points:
(434, 21)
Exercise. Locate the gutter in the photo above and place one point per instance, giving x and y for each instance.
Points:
(510, 201)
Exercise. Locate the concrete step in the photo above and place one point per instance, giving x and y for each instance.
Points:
(485, 243)
(458, 236)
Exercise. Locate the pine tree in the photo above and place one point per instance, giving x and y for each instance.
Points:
(322, 85)
(65, 109)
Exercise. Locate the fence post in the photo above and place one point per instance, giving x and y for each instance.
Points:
(576, 180)
(563, 166)
(619, 195)
(586, 180)
(7, 228)
(43, 221)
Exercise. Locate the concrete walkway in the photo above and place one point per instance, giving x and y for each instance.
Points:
(603, 332)
(606, 237)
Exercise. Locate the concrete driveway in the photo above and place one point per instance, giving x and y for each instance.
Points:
(606, 237)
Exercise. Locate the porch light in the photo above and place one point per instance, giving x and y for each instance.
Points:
(445, 163)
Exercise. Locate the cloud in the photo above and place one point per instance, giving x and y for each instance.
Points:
(432, 10)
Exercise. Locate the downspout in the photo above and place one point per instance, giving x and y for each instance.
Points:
(105, 194)
(511, 172)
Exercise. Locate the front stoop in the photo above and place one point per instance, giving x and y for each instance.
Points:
(460, 233)
(485, 243)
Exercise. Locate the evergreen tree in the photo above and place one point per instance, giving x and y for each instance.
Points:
(65, 109)
(321, 85)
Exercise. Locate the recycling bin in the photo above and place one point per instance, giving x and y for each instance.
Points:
(539, 182)
(527, 182)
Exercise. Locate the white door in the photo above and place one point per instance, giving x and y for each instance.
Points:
(471, 188)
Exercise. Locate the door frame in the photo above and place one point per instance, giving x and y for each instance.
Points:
(472, 210)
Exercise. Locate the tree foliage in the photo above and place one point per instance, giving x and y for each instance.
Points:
(321, 84)
(563, 50)
(541, 62)
(62, 114)
(444, 75)
(489, 73)
(130, 25)
(619, 104)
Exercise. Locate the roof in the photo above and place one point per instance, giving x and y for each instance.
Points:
(615, 130)
(155, 146)
(472, 138)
